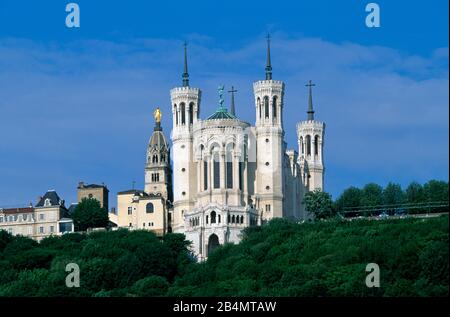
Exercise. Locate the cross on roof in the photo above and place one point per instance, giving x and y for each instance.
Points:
(310, 84)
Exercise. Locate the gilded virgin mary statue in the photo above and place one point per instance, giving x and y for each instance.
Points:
(157, 114)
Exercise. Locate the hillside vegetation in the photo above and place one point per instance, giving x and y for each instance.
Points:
(282, 258)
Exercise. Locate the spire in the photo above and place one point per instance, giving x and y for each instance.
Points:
(185, 72)
(268, 63)
(232, 108)
(310, 104)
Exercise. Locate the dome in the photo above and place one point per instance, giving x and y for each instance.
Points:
(221, 113)
(158, 141)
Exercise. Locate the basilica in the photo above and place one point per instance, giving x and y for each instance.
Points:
(225, 174)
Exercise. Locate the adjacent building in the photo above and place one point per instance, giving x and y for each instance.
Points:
(99, 192)
(48, 217)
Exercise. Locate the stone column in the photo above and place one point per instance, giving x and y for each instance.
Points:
(222, 169)
(236, 157)
(208, 170)
(199, 173)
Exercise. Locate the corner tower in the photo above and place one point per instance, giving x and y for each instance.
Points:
(270, 145)
(185, 111)
(310, 136)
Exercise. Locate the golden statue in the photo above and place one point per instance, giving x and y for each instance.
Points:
(157, 114)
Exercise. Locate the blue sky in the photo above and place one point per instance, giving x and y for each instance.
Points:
(76, 104)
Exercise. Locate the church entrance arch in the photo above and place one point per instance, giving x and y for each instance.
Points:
(213, 243)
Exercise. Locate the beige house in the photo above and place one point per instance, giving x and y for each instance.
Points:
(47, 218)
(139, 210)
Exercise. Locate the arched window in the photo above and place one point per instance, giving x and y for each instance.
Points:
(266, 107)
(316, 145)
(302, 146)
(308, 145)
(228, 219)
(258, 103)
(205, 175)
(155, 158)
(218, 218)
(213, 217)
(191, 113)
(216, 172)
(149, 208)
(274, 106)
(163, 158)
(233, 219)
(183, 113)
(242, 219)
(176, 114)
(207, 218)
(229, 167)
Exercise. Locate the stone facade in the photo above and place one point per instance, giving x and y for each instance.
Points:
(99, 192)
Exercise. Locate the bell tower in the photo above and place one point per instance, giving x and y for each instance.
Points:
(270, 144)
(158, 172)
(185, 111)
(310, 136)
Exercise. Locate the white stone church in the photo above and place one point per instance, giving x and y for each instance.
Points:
(227, 174)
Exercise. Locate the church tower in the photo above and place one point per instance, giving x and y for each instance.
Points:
(158, 173)
(270, 145)
(310, 134)
(186, 111)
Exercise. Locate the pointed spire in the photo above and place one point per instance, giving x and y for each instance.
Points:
(310, 104)
(185, 72)
(232, 108)
(268, 63)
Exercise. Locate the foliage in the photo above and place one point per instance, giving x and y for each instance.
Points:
(326, 258)
(112, 263)
(372, 195)
(415, 195)
(89, 214)
(350, 198)
(319, 204)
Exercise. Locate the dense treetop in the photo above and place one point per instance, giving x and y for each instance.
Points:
(281, 258)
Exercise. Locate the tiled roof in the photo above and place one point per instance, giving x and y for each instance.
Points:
(131, 191)
(20, 210)
(221, 113)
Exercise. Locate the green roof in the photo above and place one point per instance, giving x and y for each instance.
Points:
(221, 113)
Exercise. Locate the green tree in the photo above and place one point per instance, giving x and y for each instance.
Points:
(436, 190)
(415, 195)
(89, 214)
(393, 194)
(319, 203)
(372, 195)
(350, 198)
(150, 286)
